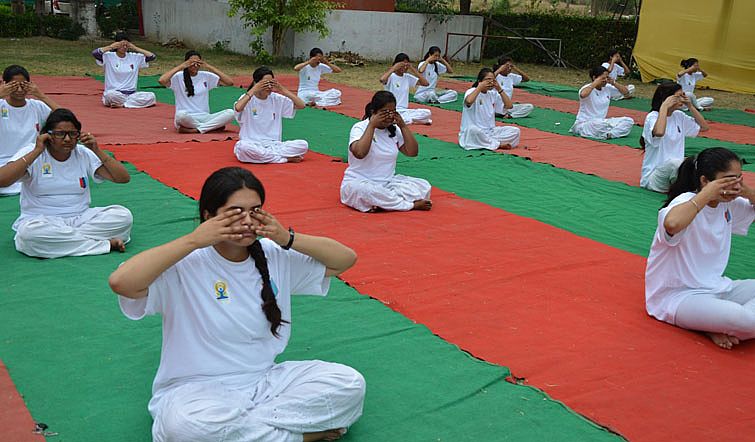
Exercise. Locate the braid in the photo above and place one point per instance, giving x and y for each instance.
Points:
(269, 305)
(188, 83)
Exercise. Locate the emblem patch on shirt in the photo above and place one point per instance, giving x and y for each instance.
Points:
(205, 84)
(47, 169)
(4, 112)
(254, 111)
(480, 102)
(132, 67)
(221, 290)
(83, 182)
(727, 216)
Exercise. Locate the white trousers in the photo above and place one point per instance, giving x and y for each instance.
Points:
(398, 194)
(616, 95)
(604, 128)
(292, 399)
(330, 97)
(203, 122)
(662, 177)
(437, 96)
(520, 110)
(702, 103)
(87, 234)
(253, 151)
(492, 138)
(132, 101)
(416, 116)
(731, 313)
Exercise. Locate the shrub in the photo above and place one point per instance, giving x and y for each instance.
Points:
(119, 17)
(30, 24)
(585, 40)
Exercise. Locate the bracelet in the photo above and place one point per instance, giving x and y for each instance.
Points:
(23, 157)
(290, 239)
(695, 204)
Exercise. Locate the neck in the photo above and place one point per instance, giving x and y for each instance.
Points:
(16, 102)
(59, 156)
(120, 54)
(232, 252)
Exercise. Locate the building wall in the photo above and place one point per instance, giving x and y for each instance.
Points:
(374, 35)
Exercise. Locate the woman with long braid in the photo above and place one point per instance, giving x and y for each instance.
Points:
(191, 87)
(225, 299)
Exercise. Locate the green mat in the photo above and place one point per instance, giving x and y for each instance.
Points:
(86, 370)
(721, 115)
(612, 213)
(557, 122)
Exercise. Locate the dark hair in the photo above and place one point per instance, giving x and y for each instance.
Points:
(597, 71)
(379, 100)
(215, 193)
(707, 163)
(315, 51)
(503, 59)
(481, 75)
(13, 70)
(432, 50)
(688, 62)
(120, 36)
(259, 74)
(59, 115)
(400, 57)
(188, 82)
(664, 90)
(611, 53)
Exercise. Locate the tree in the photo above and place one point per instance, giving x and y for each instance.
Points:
(17, 6)
(281, 15)
(465, 7)
(39, 7)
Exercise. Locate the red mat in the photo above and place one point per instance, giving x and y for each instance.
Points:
(120, 126)
(718, 131)
(16, 424)
(512, 291)
(609, 161)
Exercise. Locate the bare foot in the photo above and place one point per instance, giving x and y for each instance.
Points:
(428, 122)
(505, 147)
(375, 209)
(324, 435)
(115, 106)
(295, 159)
(423, 205)
(187, 130)
(723, 340)
(117, 244)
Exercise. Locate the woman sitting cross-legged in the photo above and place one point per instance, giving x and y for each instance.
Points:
(260, 113)
(225, 299)
(56, 219)
(191, 87)
(370, 183)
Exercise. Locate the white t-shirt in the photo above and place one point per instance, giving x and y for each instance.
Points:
(507, 82)
(688, 81)
(431, 76)
(660, 150)
(213, 322)
(695, 258)
(309, 77)
(399, 86)
(199, 103)
(380, 163)
(595, 105)
(617, 71)
(121, 74)
(261, 120)
(19, 127)
(482, 113)
(54, 188)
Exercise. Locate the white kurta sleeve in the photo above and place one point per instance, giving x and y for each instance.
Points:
(285, 106)
(690, 126)
(307, 275)
(93, 163)
(356, 133)
(324, 68)
(212, 80)
(743, 214)
(154, 302)
(411, 80)
(661, 233)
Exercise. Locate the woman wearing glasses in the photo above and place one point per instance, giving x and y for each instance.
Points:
(55, 174)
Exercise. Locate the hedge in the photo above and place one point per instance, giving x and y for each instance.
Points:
(30, 24)
(585, 41)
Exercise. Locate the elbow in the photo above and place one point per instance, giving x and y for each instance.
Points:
(704, 128)
(117, 284)
(227, 83)
(124, 179)
(359, 155)
(349, 258)
(671, 227)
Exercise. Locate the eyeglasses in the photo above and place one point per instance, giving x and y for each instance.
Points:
(61, 134)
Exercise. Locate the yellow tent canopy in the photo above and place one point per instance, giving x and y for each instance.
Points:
(719, 33)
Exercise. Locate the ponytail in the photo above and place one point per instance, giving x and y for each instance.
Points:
(706, 164)
(188, 82)
(432, 50)
(269, 304)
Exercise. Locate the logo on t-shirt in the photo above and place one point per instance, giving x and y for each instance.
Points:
(4, 112)
(132, 67)
(83, 182)
(254, 111)
(221, 290)
(205, 84)
(46, 169)
(727, 216)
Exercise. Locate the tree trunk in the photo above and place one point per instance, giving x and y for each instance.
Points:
(465, 7)
(75, 7)
(278, 33)
(18, 6)
(39, 7)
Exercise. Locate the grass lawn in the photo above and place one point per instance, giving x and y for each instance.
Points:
(47, 56)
